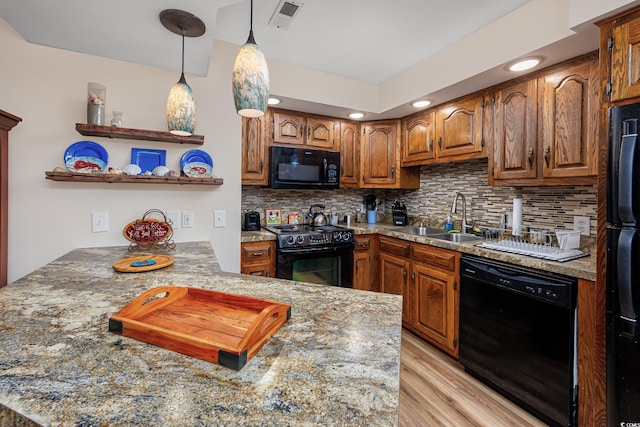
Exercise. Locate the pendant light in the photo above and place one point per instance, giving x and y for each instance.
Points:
(250, 78)
(181, 106)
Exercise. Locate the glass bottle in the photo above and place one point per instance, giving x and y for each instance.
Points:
(116, 122)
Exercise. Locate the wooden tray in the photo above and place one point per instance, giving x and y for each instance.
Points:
(139, 264)
(222, 328)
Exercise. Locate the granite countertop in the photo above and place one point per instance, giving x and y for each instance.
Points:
(583, 268)
(335, 362)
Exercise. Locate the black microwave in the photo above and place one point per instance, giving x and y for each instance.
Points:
(304, 168)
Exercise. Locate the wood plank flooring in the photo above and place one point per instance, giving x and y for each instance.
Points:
(435, 391)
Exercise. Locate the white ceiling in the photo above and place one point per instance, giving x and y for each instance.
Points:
(366, 40)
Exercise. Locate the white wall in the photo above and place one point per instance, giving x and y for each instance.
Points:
(47, 88)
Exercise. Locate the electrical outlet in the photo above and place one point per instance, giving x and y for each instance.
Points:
(174, 217)
(187, 219)
(582, 224)
(99, 222)
(219, 218)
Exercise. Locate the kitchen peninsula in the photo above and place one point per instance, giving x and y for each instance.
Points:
(336, 361)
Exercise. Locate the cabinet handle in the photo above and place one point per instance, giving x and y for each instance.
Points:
(547, 149)
(404, 274)
(357, 266)
(308, 132)
(440, 143)
(413, 277)
(430, 145)
(530, 157)
(342, 170)
(257, 253)
(393, 171)
(261, 165)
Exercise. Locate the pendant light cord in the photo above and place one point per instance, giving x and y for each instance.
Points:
(183, 51)
(251, 39)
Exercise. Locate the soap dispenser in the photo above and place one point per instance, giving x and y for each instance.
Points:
(448, 224)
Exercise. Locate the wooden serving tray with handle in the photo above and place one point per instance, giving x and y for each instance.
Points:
(218, 327)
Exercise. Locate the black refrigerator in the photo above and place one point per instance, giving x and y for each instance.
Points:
(623, 267)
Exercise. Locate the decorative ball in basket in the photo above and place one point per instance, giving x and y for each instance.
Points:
(150, 233)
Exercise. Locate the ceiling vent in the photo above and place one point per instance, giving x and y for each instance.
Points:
(284, 13)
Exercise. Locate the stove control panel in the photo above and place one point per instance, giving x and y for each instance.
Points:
(328, 239)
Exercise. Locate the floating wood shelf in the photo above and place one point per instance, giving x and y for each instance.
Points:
(145, 135)
(145, 179)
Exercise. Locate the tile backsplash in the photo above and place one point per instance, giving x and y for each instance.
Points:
(550, 207)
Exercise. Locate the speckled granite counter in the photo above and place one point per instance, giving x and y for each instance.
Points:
(336, 362)
(584, 268)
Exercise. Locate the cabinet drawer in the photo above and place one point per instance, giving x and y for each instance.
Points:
(395, 246)
(257, 251)
(438, 257)
(363, 243)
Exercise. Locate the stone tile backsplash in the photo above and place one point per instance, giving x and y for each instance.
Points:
(549, 207)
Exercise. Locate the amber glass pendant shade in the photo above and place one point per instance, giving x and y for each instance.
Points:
(250, 78)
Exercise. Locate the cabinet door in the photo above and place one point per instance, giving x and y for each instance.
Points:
(515, 121)
(320, 133)
(361, 269)
(625, 57)
(435, 307)
(459, 128)
(418, 133)
(394, 272)
(264, 270)
(254, 153)
(379, 144)
(570, 121)
(349, 154)
(288, 128)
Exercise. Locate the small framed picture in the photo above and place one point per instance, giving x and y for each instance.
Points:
(294, 218)
(273, 216)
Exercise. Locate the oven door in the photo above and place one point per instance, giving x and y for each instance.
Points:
(324, 266)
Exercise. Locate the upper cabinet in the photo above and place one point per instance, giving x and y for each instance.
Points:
(254, 151)
(302, 129)
(625, 57)
(380, 157)
(454, 131)
(545, 127)
(349, 154)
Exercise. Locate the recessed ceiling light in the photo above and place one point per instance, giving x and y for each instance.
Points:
(524, 64)
(421, 103)
(356, 115)
(273, 101)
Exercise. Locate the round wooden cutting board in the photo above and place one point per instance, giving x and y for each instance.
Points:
(143, 263)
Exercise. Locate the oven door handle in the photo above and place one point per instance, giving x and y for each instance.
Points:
(315, 250)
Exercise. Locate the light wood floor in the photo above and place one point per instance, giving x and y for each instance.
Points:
(435, 391)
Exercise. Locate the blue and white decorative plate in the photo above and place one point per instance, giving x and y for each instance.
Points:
(197, 170)
(86, 157)
(192, 156)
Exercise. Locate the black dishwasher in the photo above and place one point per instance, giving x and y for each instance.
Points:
(518, 335)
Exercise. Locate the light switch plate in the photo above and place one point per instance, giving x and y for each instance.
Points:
(99, 222)
(219, 218)
(174, 217)
(187, 219)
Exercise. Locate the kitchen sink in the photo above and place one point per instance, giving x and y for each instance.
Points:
(455, 237)
(418, 231)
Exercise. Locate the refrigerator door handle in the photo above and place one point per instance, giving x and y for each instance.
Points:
(626, 279)
(626, 180)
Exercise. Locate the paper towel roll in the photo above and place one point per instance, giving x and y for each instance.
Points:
(516, 222)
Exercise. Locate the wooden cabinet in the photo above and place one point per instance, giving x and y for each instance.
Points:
(302, 129)
(254, 152)
(625, 57)
(459, 129)
(545, 127)
(418, 135)
(365, 265)
(427, 277)
(7, 122)
(434, 295)
(349, 154)
(454, 131)
(258, 258)
(380, 157)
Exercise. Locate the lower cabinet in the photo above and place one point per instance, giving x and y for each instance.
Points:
(427, 277)
(365, 266)
(258, 258)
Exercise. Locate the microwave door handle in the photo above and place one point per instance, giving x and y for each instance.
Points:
(325, 171)
(626, 179)
(626, 272)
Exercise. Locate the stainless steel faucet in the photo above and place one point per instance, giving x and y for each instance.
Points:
(454, 209)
